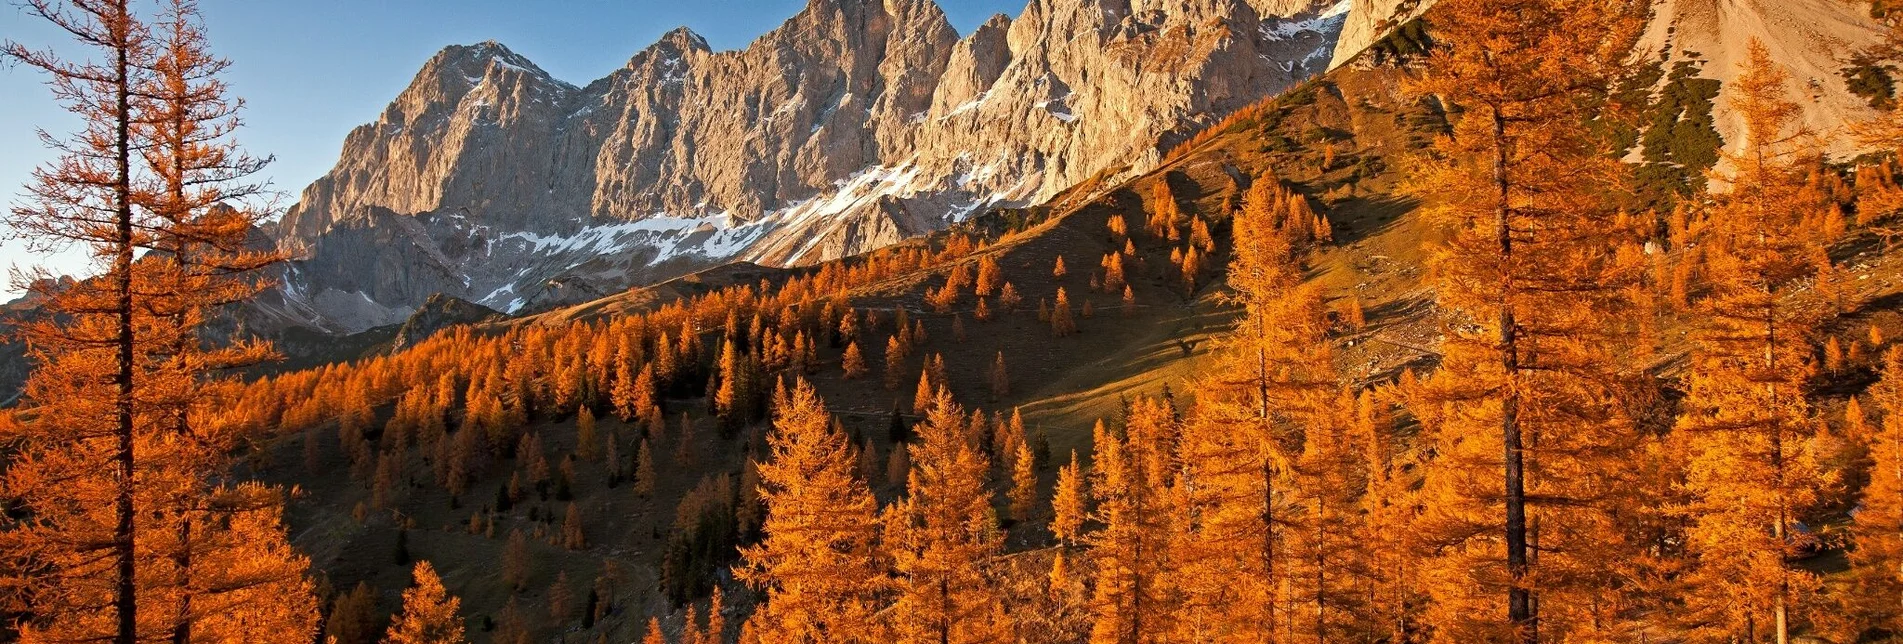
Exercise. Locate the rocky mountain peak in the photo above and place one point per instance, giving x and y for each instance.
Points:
(680, 41)
(472, 63)
(854, 124)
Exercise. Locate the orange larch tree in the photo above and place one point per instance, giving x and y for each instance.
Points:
(1750, 469)
(1530, 431)
(1136, 505)
(818, 563)
(429, 612)
(1875, 596)
(942, 536)
(1276, 375)
(128, 463)
(76, 473)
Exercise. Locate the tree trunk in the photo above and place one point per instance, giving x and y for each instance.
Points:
(126, 591)
(1519, 599)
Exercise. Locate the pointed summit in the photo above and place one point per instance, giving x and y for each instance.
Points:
(473, 61)
(683, 39)
(672, 48)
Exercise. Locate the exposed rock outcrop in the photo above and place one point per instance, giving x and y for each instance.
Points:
(438, 313)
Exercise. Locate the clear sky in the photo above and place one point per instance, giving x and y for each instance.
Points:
(310, 71)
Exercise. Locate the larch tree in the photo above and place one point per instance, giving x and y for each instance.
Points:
(515, 561)
(1275, 374)
(1131, 602)
(853, 363)
(818, 563)
(942, 536)
(76, 472)
(124, 433)
(1875, 598)
(1530, 435)
(1062, 324)
(429, 612)
(1328, 563)
(587, 437)
(644, 468)
(353, 617)
(574, 534)
(1388, 506)
(990, 276)
(1750, 469)
(1023, 482)
(225, 556)
(1000, 378)
(1068, 510)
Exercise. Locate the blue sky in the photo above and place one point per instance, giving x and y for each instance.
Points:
(311, 71)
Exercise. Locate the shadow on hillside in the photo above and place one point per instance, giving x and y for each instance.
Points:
(1358, 218)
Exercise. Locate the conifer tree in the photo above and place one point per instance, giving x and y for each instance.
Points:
(853, 363)
(922, 398)
(941, 537)
(1751, 471)
(716, 619)
(353, 615)
(817, 564)
(1023, 483)
(559, 598)
(1067, 504)
(1008, 298)
(898, 464)
(1132, 601)
(1875, 596)
(1061, 322)
(894, 362)
(868, 458)
(587, 438)
(990, 276)
(429, 612)
(644, 469)
(87, 198)
(200, 227)
(1327, 564)
(120, 444)
(1000, 378)
(1275, 373)
(573, 535)
(515, 560)
(732, 399)
(1530, 439)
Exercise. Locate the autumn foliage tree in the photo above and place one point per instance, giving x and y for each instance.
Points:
(124, 431)
(1132, 599)
(1531, 438)
(1751, 470)
(429, 612)
(817, 564)
(941, 536)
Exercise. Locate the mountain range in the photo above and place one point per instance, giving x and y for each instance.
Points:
(855, 124)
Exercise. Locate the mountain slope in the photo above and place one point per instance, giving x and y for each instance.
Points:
(853, 125)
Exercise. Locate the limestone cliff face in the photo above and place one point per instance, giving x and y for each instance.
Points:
(855, 124)
(1368, 21)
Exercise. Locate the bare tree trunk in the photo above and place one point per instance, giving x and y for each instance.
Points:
(124, 534)
(1519, 599)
